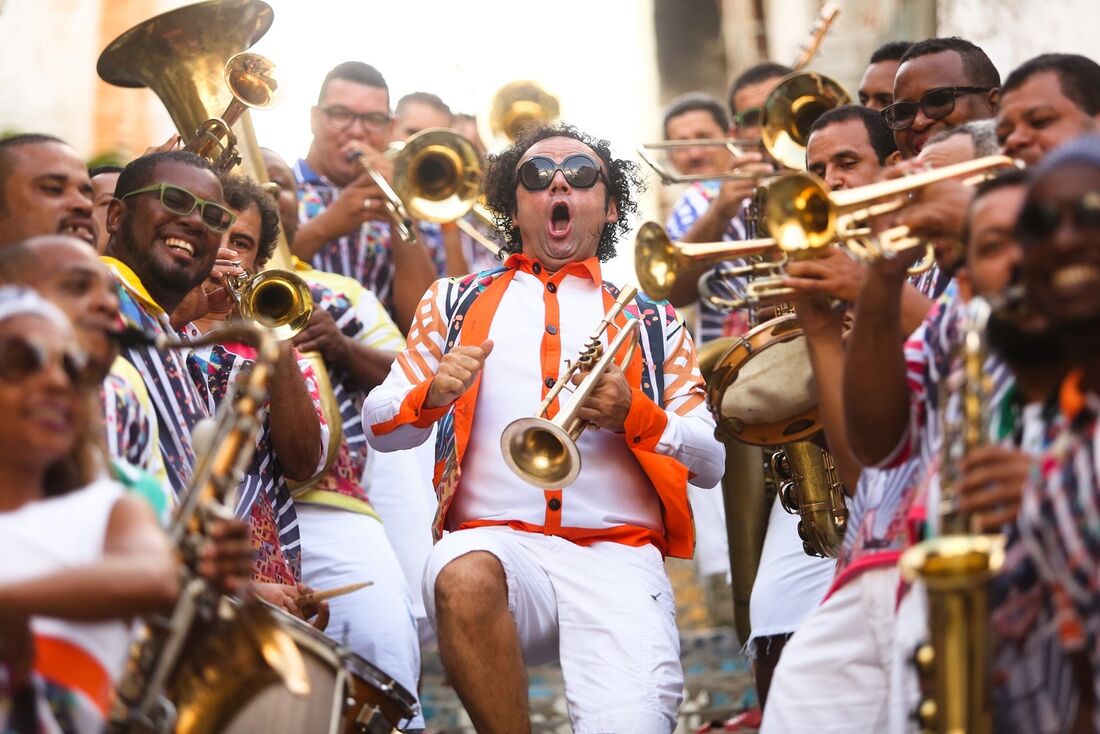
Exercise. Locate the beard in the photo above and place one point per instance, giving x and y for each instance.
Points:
(1021, 347)
(154, 274)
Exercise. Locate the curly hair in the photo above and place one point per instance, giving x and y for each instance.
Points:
(241, 194)
(623, 180)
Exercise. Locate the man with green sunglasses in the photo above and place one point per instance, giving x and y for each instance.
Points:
(165, 223)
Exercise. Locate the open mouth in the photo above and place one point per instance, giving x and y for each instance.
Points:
(560, 220)
(82, 229)
(1073, 277)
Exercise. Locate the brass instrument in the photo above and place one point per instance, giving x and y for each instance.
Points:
(514, 107)
(182, 57)
(437, 173)
(276, 299)
(789, 112)
(189, 671)
(544, 452)
(825, 18)
(402, 222)
(803, 214)
(956, 565)
(810, 487)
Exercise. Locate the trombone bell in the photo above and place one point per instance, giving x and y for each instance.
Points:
(437, 174)
(791, 110)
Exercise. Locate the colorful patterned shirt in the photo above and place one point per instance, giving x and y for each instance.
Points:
(365, 255)
(130, 421)
(1059, 527)
(263, 495)
(178, 402)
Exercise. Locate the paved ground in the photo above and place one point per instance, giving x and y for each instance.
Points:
(718, 683)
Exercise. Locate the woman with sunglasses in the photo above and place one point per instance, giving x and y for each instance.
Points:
(81, 556)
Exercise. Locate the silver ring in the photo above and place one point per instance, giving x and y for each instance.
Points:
(368, 203)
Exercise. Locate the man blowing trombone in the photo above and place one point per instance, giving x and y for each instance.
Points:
(576, 573)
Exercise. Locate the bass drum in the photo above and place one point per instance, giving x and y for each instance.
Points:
(761, 390)
(348, 695)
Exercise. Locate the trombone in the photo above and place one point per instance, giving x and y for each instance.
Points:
(789, 112)
(543, 452)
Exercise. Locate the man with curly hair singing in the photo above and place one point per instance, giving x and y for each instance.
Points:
(529, 575)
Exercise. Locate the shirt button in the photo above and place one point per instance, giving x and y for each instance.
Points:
(554, 504)
(551, 330)
(551, 287)
(550, 381)
(536, 268)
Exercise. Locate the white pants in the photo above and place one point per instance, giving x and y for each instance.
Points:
(376, 623)
(605, 611)
(834, 674)
(912, 630)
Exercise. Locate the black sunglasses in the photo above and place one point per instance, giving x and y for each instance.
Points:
(22, 358)
(178, 200)
(935, 104)
(1039, 220)
(580, 171)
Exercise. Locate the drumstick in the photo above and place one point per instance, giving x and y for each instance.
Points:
(315, 596)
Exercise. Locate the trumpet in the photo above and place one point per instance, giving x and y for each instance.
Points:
(789, 112)
(803, 214)
(544, 452)
(276, 299)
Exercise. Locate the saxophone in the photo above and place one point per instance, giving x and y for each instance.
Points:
(189, 670)
(956, 564)
(810, 487)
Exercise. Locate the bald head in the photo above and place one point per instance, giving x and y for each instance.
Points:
(66, 272)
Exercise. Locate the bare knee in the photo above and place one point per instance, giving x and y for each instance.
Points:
(472, 584)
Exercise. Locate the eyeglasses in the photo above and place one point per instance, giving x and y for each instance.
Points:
(935, 104)
(22, 358)
(177, 200)
(342, 118)
(580, 171)
(1039, 220)
(749, 117)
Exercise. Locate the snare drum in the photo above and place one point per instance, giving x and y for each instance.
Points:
(348, 695)
(761, 390)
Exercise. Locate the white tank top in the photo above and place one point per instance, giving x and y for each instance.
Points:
(62, 533)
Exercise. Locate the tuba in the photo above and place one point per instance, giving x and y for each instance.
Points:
(182, 56)
(956, 565)
(189, 671)
(544, 452)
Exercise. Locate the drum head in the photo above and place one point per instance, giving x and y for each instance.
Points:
(762, 390)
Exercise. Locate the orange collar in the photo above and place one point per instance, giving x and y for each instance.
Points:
(588, 268)
(1070, 396)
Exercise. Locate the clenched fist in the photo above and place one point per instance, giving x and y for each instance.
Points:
(457, 371)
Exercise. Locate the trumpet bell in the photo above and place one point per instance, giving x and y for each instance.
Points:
(279, 300)
(655, 261)
(437, 174)
(541, 453)
(790, 112)
(797, 211)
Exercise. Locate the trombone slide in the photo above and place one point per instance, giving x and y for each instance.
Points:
(400, 216)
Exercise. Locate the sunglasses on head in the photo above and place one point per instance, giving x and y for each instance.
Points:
(1039, 220)
(580, 171)
(935, 104)
(178, 200)
(22, 358)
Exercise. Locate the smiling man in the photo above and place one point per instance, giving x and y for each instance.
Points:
(576, 574)
(44, 189)
(941, 83)
(166, 222)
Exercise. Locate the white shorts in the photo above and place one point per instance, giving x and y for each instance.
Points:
(376, 623)
(834, 674)
(605, 611)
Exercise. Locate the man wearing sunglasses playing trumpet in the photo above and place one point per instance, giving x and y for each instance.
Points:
(530, 575)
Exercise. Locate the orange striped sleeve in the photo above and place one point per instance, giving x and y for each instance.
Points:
(684, 387)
